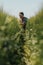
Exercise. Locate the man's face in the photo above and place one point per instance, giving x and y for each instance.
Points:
(21, 16)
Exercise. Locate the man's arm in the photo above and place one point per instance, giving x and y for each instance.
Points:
(22, 23)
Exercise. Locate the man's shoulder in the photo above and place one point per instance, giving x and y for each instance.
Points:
(25, 19)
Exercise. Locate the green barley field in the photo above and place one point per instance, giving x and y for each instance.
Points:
(18, 48)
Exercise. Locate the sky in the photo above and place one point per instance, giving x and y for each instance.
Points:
(29, 7)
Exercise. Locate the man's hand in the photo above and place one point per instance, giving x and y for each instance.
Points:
(22, 23)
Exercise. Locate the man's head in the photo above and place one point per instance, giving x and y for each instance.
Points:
(21, 15)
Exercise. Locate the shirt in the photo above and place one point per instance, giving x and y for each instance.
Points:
(24, 20)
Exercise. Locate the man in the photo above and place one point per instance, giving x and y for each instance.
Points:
(23, 20)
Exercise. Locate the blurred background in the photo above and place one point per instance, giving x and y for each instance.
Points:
(13, 49)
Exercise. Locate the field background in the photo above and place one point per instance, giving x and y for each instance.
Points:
(15, 51)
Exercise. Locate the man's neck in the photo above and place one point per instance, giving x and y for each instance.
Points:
(22, 17)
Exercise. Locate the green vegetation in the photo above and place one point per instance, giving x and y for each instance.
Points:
(18, 48)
